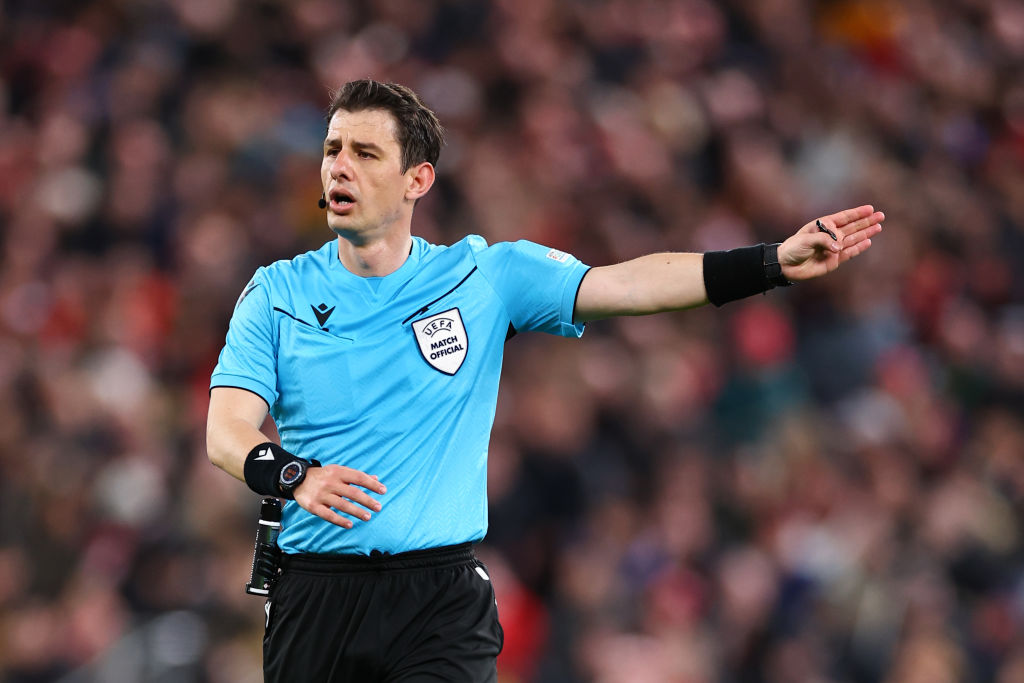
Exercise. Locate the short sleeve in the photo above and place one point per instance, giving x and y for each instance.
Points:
(249, 357)
(537, 284)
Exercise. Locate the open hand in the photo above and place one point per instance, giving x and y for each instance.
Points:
(333, 487)
(811, 253)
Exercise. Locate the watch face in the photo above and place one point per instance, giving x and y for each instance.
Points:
(290, 473)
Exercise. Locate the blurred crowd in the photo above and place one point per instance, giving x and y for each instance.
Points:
(824, 484)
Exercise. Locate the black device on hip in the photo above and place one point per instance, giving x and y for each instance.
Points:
(266, 556)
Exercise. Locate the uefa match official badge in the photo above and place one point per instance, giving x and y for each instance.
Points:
(442, 340)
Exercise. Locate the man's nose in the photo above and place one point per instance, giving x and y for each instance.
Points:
(341, 167)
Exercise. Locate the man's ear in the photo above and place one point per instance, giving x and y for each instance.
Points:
(420, 178)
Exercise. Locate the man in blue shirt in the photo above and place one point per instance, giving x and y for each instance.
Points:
(378, 356)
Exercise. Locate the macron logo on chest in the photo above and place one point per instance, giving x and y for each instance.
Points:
(442, 340)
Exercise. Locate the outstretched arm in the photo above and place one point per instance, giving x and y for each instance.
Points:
(675, 281)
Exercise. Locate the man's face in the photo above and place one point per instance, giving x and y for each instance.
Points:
(362, 174)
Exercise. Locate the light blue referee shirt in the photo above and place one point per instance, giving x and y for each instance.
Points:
(396, 376)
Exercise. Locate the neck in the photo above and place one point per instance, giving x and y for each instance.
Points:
(375, 258)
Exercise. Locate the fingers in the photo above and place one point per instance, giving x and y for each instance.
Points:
(860, 224)
(823, 241)
(866, 232)
(846, 222)
(350, 507)
(844, 218)
(357, 478)
(332, 491)
(865, 223)
(326, 513)
(856, 250)
(357, 496)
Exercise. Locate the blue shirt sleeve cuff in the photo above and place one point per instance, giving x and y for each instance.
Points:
(572, 287)
(222, 379)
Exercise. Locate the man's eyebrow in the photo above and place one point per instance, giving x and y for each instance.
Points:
(336, 142)
(366, 145)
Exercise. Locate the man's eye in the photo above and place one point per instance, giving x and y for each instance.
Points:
(366, 155)
(331, 153)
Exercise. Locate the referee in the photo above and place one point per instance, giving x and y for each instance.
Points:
(378, 357)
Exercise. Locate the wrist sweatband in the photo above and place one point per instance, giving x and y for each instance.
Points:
(735, 274)
(263, 467)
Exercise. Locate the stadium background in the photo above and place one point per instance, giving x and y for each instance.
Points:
(821, 484)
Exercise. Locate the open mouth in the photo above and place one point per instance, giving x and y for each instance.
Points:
(340, 199)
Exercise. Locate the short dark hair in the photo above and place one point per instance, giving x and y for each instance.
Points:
(420, 134)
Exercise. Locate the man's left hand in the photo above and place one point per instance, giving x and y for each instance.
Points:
(811, 253)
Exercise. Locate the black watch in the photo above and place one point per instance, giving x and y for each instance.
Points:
(292, 474)
(772, 267)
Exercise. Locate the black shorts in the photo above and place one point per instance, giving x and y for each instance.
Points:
(426, 615)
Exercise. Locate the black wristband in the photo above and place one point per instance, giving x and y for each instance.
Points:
(263, 467)
(772, 267)
(735, 274)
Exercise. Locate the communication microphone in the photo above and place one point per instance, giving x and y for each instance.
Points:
(266, 556)
(323, 201)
